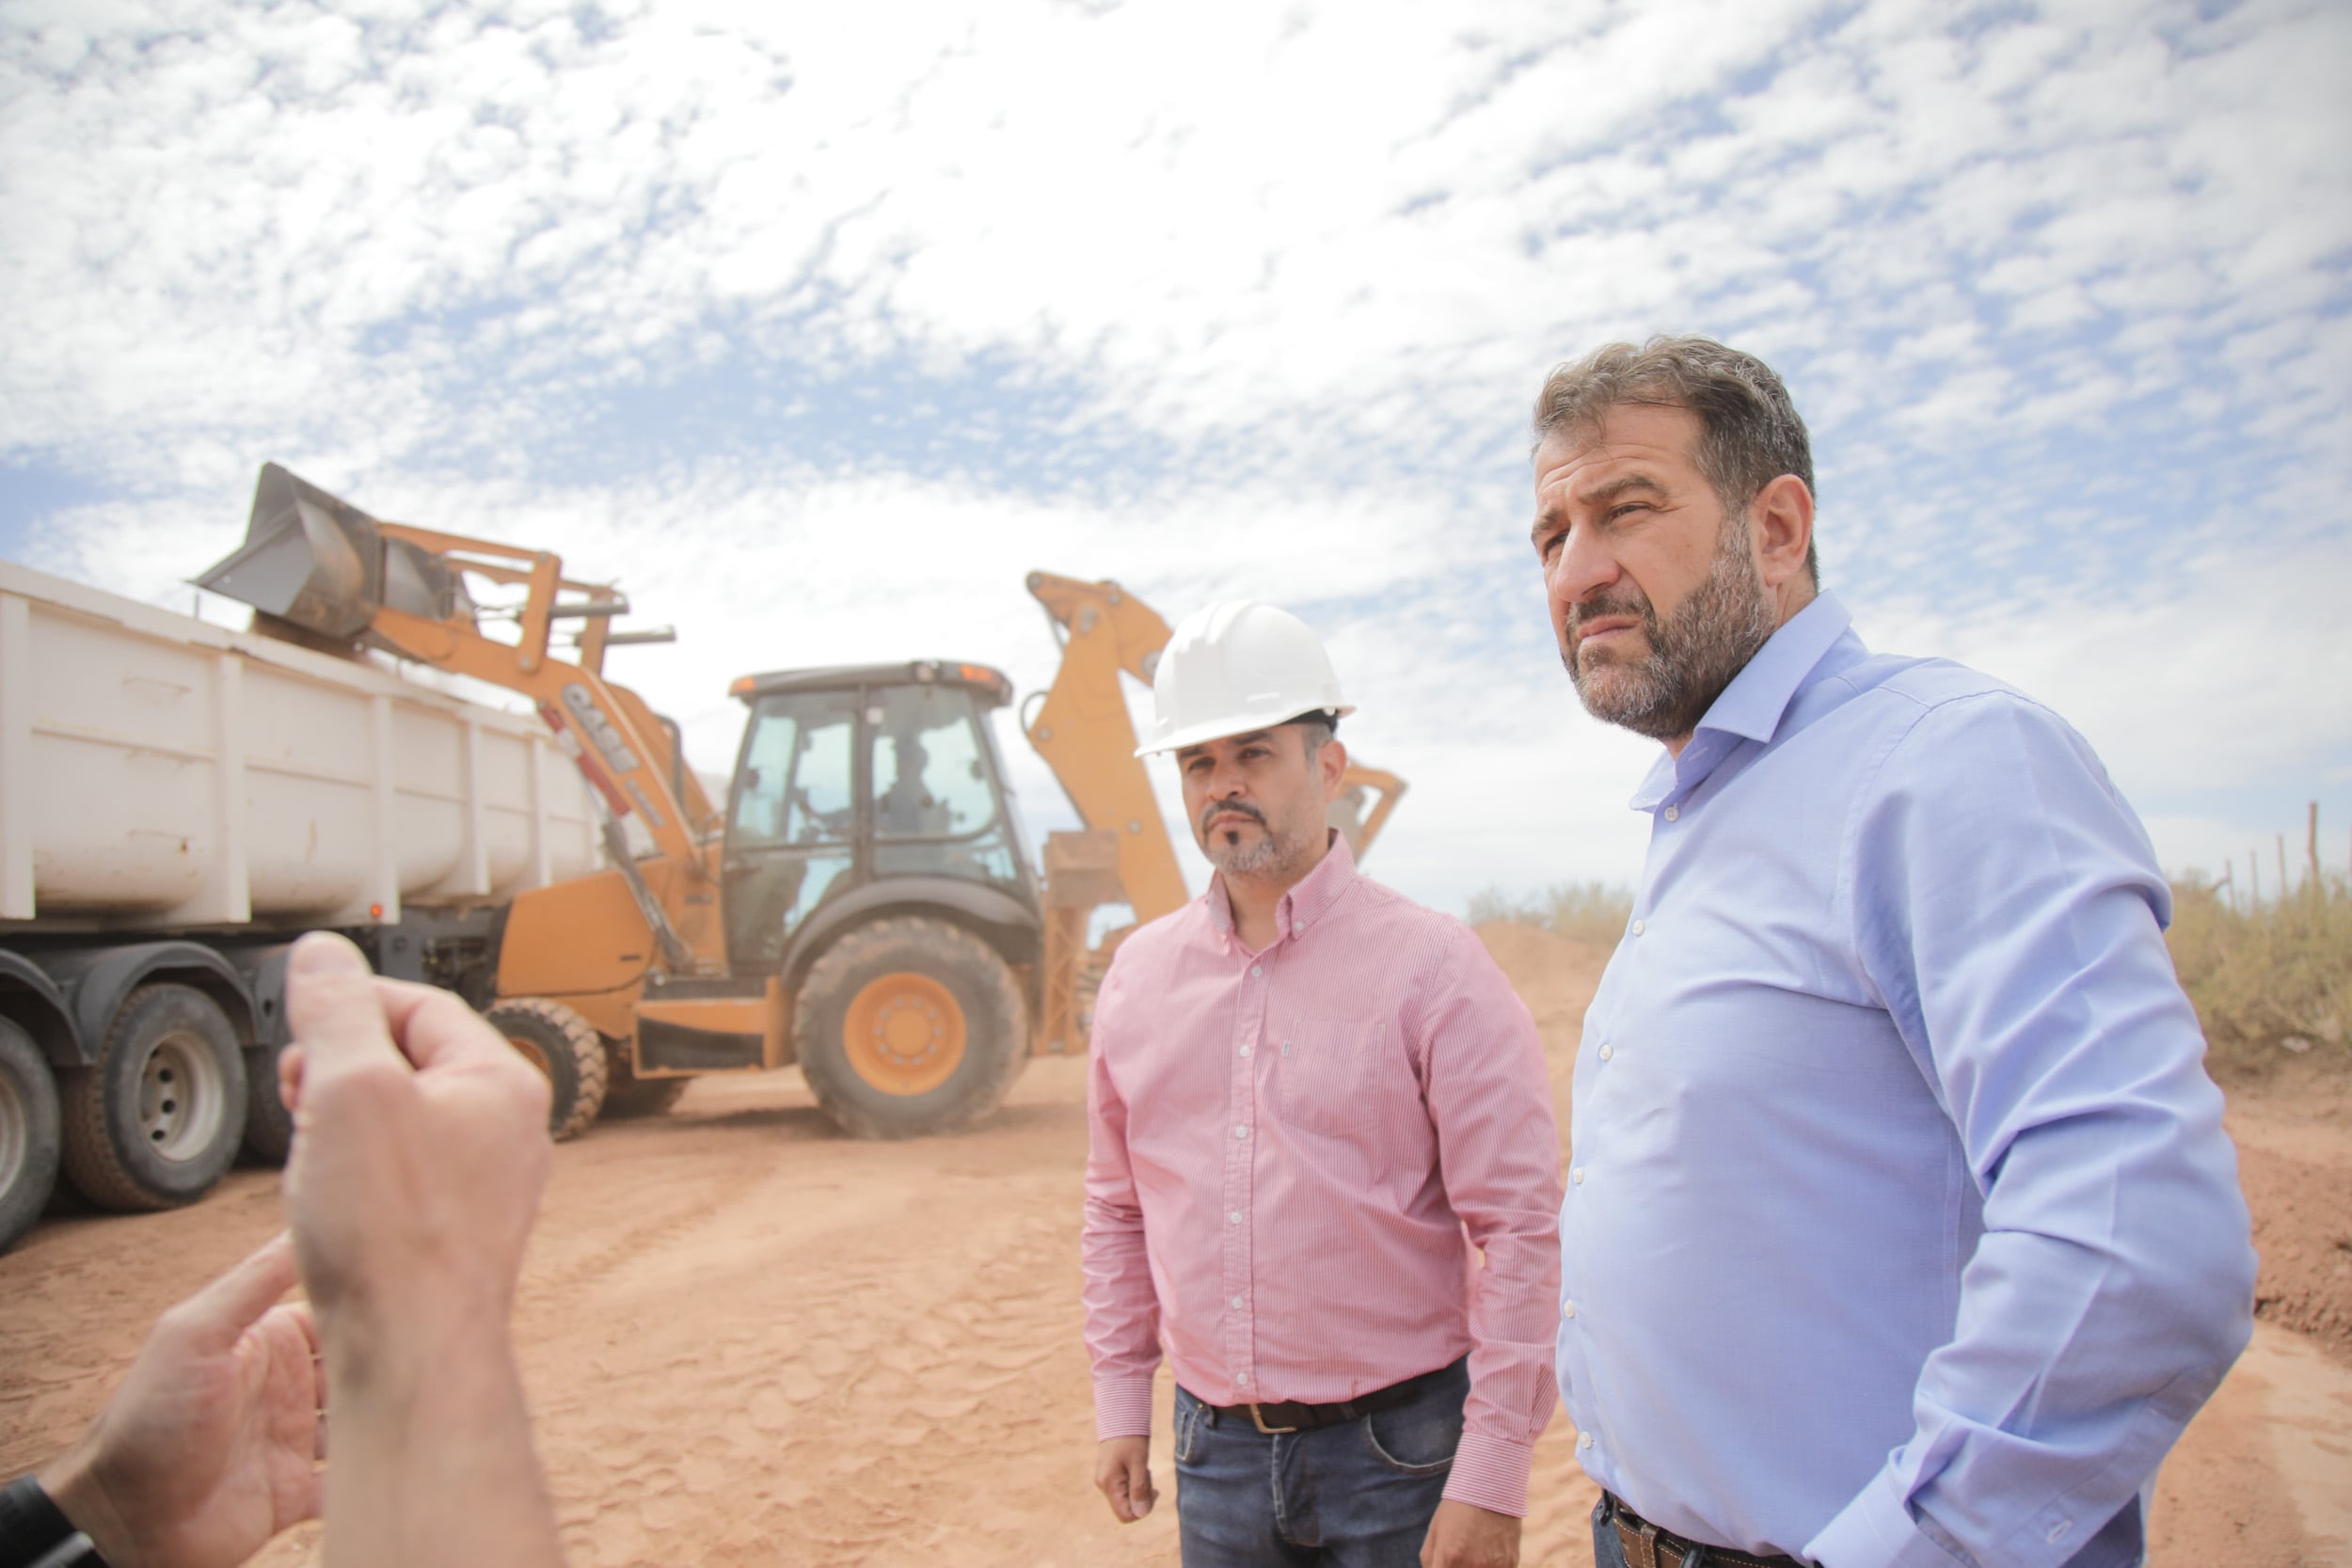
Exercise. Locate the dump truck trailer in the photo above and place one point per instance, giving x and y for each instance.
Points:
(178, 801)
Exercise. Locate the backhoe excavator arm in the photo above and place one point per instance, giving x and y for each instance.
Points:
(1083, 731)
(337, 575)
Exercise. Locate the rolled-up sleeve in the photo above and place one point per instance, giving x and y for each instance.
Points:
(1122, 1313)
(2008, 907)
(1489, 1099)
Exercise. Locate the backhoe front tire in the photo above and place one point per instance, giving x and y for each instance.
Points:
(157, 1119)
(907, 1026)
(559, 1043)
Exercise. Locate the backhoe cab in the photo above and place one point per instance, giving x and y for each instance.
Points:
(862, 905)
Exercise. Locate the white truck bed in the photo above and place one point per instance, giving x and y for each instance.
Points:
(160, 772)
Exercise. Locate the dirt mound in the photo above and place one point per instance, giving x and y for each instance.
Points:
(2292, 1126)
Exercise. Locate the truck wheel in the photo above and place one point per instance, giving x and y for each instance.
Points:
(559, 1042)
(157, 1118)
(628, 1095)
(28, 1134)
(909, 1026)
(268, 1125)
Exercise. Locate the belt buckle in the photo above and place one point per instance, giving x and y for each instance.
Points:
(1270, 1431)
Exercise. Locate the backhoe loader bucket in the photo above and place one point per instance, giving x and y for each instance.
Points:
(321, 564)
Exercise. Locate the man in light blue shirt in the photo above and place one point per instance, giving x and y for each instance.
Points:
(1901, 1228)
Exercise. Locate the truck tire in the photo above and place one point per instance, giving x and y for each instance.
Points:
(628, 1095)
(28, 1134)
(559, 1043)
(268, 1125)
(157, 1118)
(906, 1026)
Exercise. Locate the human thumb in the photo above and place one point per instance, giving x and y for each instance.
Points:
(1139, 1494)
(332, 1009)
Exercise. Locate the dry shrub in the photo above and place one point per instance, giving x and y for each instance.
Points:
(2269, 979)
(2274, 979)
(1594, 912)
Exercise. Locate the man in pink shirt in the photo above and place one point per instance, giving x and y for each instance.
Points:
(1314, 1105)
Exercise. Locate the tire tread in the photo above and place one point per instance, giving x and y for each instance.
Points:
(586, 1048)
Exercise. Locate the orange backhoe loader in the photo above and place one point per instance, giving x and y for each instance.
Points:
(864, 904)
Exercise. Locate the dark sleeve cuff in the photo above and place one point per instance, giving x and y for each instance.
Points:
(35, 1532)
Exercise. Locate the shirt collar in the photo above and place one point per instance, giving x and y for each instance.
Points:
(1754, 704)
(1307, 901)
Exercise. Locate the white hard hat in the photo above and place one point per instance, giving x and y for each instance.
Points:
(1236, 667)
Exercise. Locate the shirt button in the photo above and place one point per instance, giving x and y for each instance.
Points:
(1234, 1218)
(1568, 1310)
(1607, 1052)
(1577, 1175)
(1244, 1132)
(1245, 1051)
(2057, 1531)
(1237, 1301)
(1638, 927)
(1583, 1439)
(1242, 1378)
(1673, 813)
(1255, 970)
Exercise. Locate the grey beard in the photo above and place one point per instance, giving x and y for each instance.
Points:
(1256, 857)
(1692, 658)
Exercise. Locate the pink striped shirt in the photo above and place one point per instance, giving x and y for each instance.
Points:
(1293, 1153)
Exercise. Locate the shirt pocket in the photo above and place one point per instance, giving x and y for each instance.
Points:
(1329, 1077)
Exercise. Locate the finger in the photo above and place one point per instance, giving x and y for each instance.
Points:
(435, 1028)
(331, 1003)
(1139, 1494)
(215, 1316)
(290, 1078)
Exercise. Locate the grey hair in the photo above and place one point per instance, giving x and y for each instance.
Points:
(1750, 433)
(1317, 730)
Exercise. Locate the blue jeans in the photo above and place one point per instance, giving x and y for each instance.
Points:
(1358, 1494)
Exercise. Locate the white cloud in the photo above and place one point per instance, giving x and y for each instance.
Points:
(2062, 297)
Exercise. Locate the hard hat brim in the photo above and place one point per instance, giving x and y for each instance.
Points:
(1217, 729)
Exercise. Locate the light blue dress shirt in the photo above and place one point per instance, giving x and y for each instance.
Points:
(1900, 1228)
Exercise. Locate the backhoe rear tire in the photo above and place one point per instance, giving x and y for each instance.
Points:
(29, 1132)
(907, 1026)
(561, 1044)
(157, 1118)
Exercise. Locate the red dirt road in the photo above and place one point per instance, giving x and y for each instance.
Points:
(750, 1341)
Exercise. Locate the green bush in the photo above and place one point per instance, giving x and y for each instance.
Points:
(2269, 979)
(1594, 912)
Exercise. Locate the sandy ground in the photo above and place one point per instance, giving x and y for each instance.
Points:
(750, 1341)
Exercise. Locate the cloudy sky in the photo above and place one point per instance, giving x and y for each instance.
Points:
(816, 328)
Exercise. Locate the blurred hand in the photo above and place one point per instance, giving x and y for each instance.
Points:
(421, 1146)
(420, 1151)
(210, 1446)
(1463, 1535)
(1122, 1471)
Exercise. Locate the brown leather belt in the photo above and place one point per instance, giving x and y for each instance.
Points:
(1290, 1415)
(1647, 1546)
